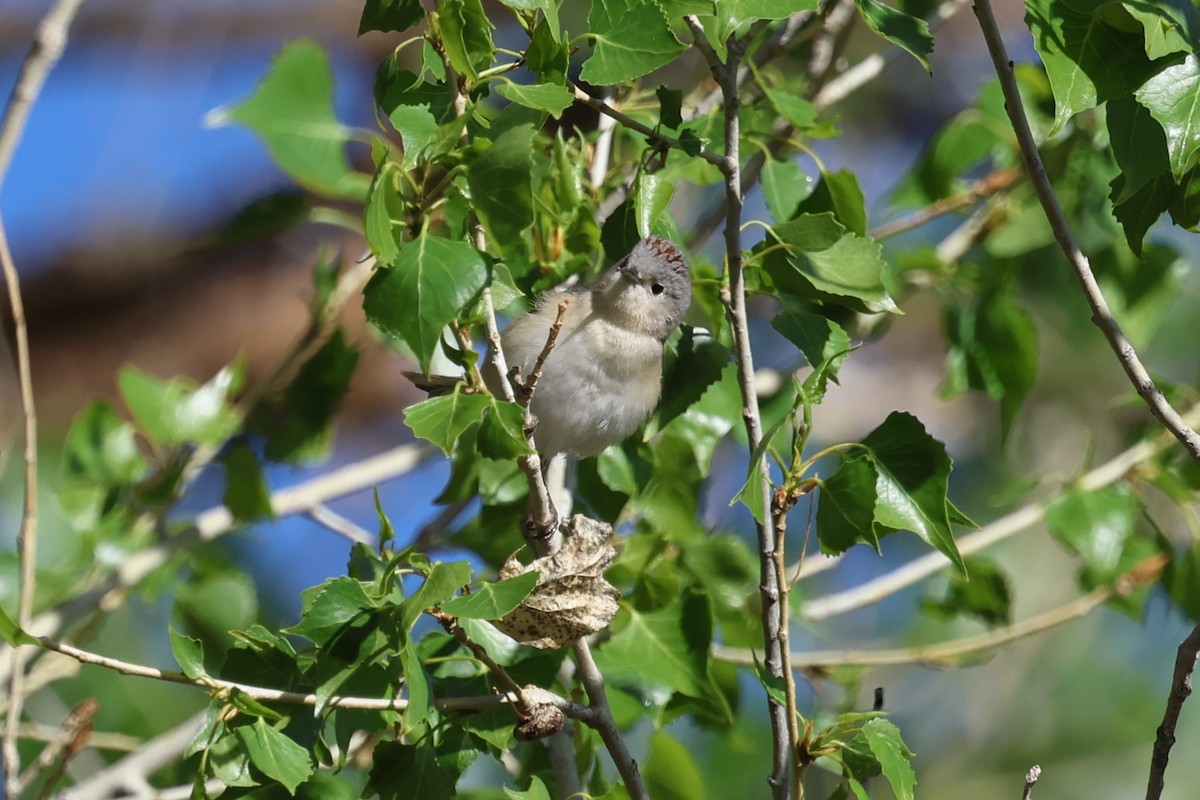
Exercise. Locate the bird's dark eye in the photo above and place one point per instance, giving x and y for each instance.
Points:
(656, 288)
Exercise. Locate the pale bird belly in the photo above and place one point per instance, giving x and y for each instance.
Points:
(595, 393)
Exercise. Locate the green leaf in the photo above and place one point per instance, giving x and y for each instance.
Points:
(1173, 98)
(275, 755)
(1181, 579)
(101, 448)
(1138, 143)
(329, 607)
(630, 39)
(13, 633)
(1088, 62)
(548, 97)
(985, 594)
(390, 16)
(431, 281)
(499, 179)
(441, 420)
(652, 195)
(174, 413)
(995, 344)
(1165, 25)
(821, 340)
(799, 112)
(1138, 211)
(492, 600)
(1097, 526)
(383, 218)
(821, 261)
(407, 771)
(909, 32)
(838, 193)
(746, 10)
(299, 424)
(188, 652)
(443, 580)
(894, 756)
(292, 110)
(846, 511)
(784, 185)
(668, 647)
(671, 772)
(466, 33)
(670, 107)
(501, 434)
(247, 495)
(536, 791)
(914, 472)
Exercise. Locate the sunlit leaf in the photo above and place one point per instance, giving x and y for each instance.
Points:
(492, 600)
(275, 754)
(292, 110)
(431, 281)
(630, 38)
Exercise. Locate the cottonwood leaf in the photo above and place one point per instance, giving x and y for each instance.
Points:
(1173, 98)
(492, 600)
(292, 111)
(247, 495)
(549, 97)
(188, 652)
(390, 16)
(176, 412)
(909, 32)
(883, 737)
(466, 34)
(430, 282)
(668, 647)
(1087, 61)
(630, 39)
(670, 770)
(501, 192)
(13, 633)
(327, 608)
(275, 755)
(441, 420)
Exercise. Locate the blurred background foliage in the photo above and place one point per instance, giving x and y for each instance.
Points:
(126, 213)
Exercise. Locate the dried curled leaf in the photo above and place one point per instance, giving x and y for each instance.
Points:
(543, 721)
(571, 598)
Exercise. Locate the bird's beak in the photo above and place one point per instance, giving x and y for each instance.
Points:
(629, 272)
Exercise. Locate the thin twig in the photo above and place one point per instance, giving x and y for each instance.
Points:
(986, 186)
(1026, 517)
(734, 300)
(70, 738)
(605, 725)
(48, 43)
(650, 133)
(528, 385)
(1031, 778)
(1181, 689)
(45, 50)
(1101, 315)
(945, 654)
(347, 528)
(512, 688)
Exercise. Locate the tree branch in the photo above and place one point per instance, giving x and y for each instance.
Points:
(734, 299)
(1181, 689)
(1101, 315)
(604, 724)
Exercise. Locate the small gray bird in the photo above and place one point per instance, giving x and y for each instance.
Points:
(604, 376)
